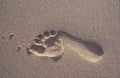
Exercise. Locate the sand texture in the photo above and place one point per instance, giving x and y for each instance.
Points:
(97, 21)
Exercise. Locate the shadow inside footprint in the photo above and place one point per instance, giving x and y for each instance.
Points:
(39, 49)
(50, 42)
(55, 59)
(92, 46)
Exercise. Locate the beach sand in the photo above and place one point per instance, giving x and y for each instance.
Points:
(95, 20)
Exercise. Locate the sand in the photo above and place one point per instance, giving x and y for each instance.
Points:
(96, 21)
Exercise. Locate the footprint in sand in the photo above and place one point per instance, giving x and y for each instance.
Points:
(52, 43)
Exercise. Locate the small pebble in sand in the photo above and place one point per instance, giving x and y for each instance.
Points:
(19, 47)
(11, 35)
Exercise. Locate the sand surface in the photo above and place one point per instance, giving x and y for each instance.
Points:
(93, 20)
